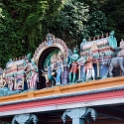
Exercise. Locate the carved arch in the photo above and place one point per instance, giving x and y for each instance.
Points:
(57, 43)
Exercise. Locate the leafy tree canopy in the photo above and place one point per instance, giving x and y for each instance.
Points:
(69, 23)
(24, 23)
(114, 10)
(21, 29)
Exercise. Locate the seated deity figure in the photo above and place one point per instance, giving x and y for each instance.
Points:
(112, 40)
(89, 67)
(74, 66)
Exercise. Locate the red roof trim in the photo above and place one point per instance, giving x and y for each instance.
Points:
(65, 100)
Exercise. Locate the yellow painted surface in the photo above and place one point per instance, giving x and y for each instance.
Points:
(70, 88)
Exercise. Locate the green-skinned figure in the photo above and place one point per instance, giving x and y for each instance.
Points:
(112, 40)
(74, 66)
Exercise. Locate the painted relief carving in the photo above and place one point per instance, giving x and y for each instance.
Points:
(53, 63)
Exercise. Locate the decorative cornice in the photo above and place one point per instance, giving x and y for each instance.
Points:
(63, 100)
(95, 88)
(58, 43)
(93, 92)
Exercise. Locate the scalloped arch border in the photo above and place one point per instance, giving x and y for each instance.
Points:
(58, 43)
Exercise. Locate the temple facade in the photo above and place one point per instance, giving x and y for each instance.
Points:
(61, 86)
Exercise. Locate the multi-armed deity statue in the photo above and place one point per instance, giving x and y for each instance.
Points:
(54, 64)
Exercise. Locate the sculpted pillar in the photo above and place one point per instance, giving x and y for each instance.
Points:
(79, 115)
(25, 119)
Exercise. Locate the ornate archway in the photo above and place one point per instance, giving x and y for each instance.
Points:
(45, 50)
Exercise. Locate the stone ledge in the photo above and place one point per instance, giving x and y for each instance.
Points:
(67, 89)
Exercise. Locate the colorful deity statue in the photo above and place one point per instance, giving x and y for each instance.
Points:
(11, 83)
(112, 40)
(89, 67)
(59, 68)
(49, 71)
(65, 70)
(121, 52)
(74, 66)
(31, 71)
(84, 41)
(34, 76)
(28, 69)
(2, 81)
(56, 70)
(82, 61)
(49, 39)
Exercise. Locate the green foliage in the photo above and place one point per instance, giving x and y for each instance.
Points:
(94, 4)
(21, 29)
(69, 23)
(114, 10)
(24, 23)
(54, 7)
(97, 23)
(79, 19)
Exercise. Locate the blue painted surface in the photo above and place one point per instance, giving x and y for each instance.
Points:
(82, 71)
(95, 69)
(6, 92)
(103, 70)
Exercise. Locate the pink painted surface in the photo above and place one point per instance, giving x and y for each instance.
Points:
(58, 101)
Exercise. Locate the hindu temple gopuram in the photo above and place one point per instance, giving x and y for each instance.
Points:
(57, 85)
